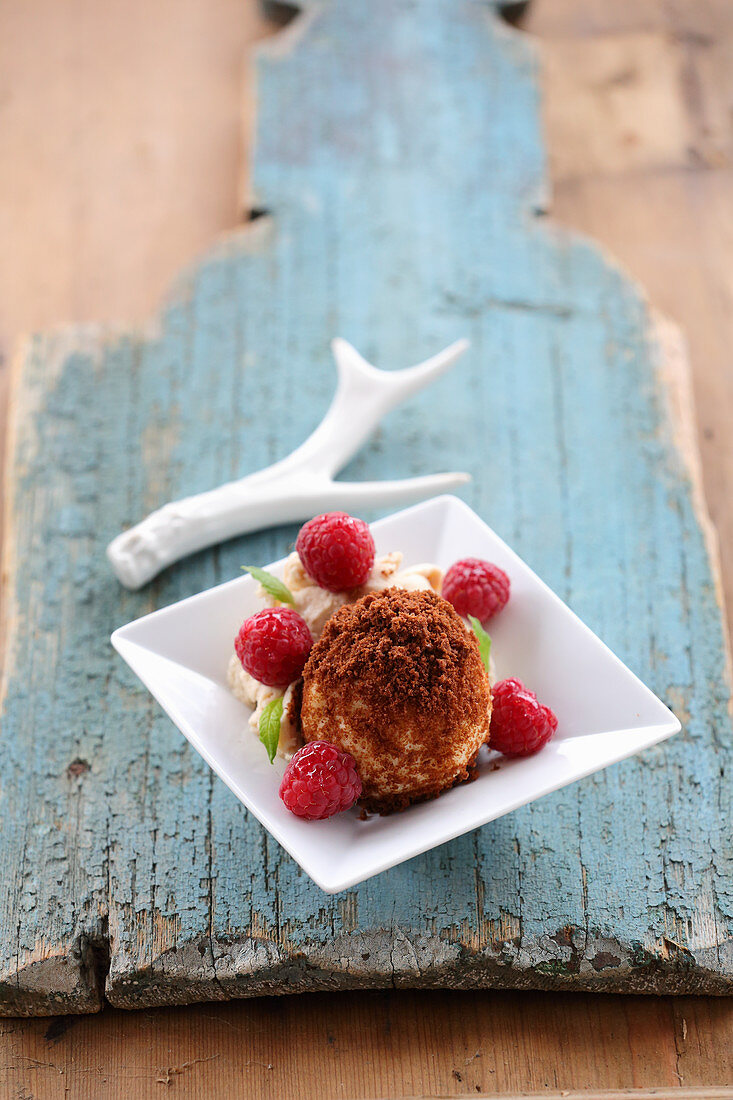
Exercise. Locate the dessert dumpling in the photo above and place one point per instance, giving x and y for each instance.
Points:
(397, 681)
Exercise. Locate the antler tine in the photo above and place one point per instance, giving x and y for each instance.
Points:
(367, 494)
(412, 379)
(400, 384)
(363, 396)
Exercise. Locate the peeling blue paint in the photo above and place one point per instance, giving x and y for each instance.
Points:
(400, 155)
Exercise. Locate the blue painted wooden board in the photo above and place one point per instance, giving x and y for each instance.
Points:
(400, 157)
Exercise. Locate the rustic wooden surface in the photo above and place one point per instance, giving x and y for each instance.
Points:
(133, 871)
(373, 1045)
(653, 221)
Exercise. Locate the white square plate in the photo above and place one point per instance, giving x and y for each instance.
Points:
(181, 653)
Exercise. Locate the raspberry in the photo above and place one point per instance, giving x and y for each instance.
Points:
(273, 645)
(476, 587)
(337, 551)
(320, 781)
(520, 725)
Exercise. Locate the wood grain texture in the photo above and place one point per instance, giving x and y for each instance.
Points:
(109, 183)
(408, 1043)
(122, 839)
(672, 230)
(376, 1044)
(666, 213)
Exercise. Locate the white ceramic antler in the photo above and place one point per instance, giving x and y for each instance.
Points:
(298, 486)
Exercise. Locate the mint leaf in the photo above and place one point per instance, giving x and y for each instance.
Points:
(272, 586)
(270, 726)
(484, 641)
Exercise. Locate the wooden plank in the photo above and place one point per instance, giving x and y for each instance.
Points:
(653, 229)
(668, 216)
(386, 1044)
(134, 105)
(656, 226)
(695, 293)
(166, 883)
(660, 203)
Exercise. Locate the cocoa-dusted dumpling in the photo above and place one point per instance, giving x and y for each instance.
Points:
(396, 680)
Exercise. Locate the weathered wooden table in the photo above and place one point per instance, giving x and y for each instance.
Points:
(400, 159)
(608, 1027)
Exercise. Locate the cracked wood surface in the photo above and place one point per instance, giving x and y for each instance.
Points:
(118, 839)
